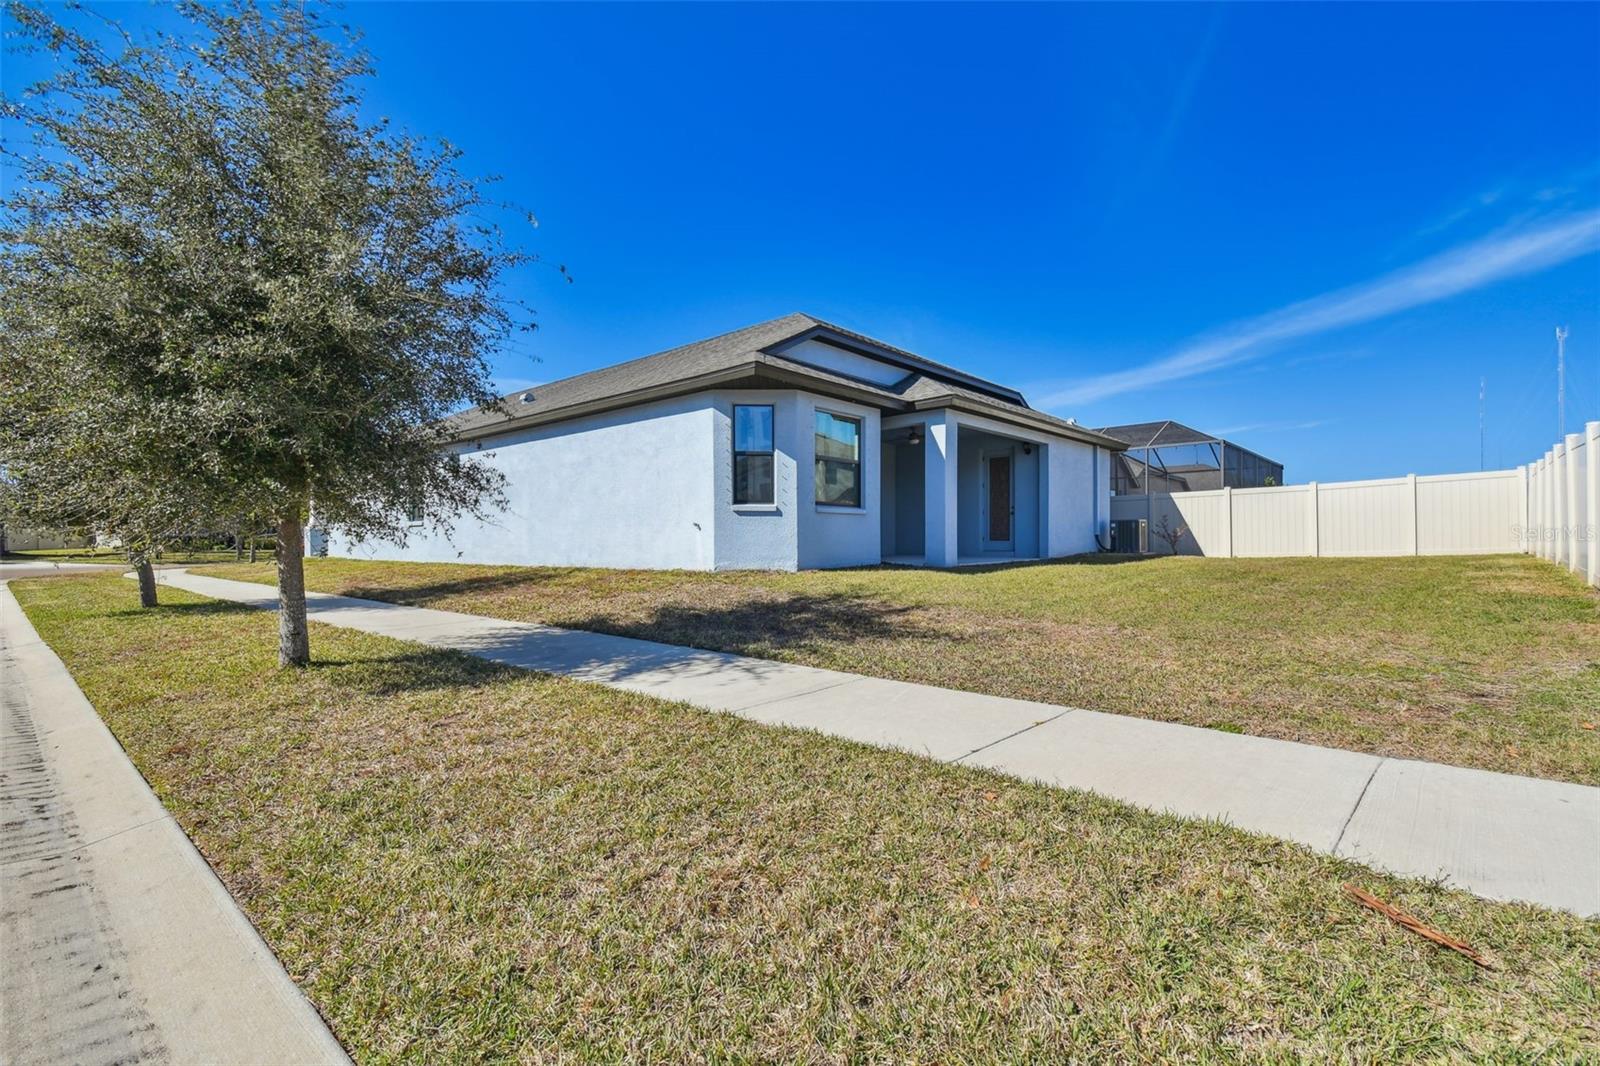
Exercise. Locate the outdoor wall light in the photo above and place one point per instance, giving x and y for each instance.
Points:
(915, 437)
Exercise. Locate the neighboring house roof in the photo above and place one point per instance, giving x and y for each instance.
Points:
(753, 357)
(1163, 434)
(1155, 434)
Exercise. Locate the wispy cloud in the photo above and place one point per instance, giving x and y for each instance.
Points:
(1461, 269)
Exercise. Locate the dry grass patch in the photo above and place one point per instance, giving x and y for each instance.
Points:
(461, 862)
(1489, 661)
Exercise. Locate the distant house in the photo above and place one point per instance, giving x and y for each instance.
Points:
(1172, 457)
(786, 445)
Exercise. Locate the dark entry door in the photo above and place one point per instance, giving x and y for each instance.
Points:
(997, 523)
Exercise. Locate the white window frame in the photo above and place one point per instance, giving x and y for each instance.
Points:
(733, 463)
(861, 461)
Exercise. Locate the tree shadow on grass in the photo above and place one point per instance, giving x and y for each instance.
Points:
(1089, 559)
(423, 670)
(202, 609)
(790, 622)
(425, 594)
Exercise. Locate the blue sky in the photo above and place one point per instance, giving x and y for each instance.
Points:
(1312, 228)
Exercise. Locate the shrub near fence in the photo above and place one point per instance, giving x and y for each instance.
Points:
(1550, 508)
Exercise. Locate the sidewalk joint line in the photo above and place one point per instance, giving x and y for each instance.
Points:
(793, 695)
(74, 849)
(1351, 816)
(1018, 733)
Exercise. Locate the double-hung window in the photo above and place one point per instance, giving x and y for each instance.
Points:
(838, 448)
(753, 466)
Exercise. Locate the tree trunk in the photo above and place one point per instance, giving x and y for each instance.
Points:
(294, 643)
(238, 545)
(252, 546)
(147, 579)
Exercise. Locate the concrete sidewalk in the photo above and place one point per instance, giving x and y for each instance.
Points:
(1500, 836)
(120, 944)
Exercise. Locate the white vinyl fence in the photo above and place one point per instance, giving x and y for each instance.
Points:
(1550, 508)
(14, 539)
(1564, 504)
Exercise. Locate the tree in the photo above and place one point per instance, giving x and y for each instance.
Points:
(270, 304)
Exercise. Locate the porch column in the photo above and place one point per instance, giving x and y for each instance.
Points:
(939, 494)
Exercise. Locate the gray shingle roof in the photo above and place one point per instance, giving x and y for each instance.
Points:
(755, 353)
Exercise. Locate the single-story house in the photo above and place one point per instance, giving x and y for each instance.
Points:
(791, 444)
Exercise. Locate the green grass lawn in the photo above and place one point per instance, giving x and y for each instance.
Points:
(460, 862)
(1489, 661)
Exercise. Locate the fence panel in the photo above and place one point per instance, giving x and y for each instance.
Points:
(1366, 517)
(1273, 521)
(1465, 514)
(22, 540)
(1204, 514)
(1447, 514)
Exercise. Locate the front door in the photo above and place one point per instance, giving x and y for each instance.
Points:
(997, 511)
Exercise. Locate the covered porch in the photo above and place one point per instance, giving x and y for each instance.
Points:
(960, 492)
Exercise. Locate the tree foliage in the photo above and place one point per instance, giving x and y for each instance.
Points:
(225, 292)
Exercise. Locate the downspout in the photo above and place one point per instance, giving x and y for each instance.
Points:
(1094, 485)
(1094, 480)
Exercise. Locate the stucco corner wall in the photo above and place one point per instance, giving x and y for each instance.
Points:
(833, 537)
(758, 537)
(1079, 496)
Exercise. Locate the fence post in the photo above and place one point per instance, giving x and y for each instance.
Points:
(1313, 520)
(1538, 514)
(1537, 517)
(1535, 503)
(1575, 545)
(1522, 501)
(1227, 516)
(1591, 470)
(1547, 505)
(1563, 486)
(1411, 482)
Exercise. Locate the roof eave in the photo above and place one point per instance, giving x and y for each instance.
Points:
(1021, 418)
(757, 371)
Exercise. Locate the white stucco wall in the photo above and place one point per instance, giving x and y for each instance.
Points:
(758, 536)
(1078, 484)
(629, 488)
(794, 532)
